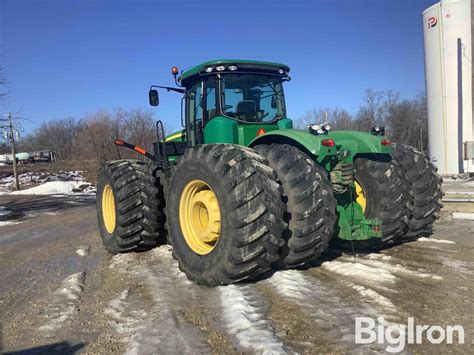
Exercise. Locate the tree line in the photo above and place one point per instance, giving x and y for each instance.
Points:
(92, 137)
(405, 121)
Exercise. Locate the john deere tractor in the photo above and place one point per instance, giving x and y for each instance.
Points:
(238, 191)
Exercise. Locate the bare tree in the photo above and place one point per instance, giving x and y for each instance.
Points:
(337, 117)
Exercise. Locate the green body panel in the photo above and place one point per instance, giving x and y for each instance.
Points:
(352, 224)
(225, 130)
(353, 142)
(196, 69)
(360, 142)
(311, 142)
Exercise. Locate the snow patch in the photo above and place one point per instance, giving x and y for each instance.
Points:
(375, 297)
(397, 269)
(83, 250)
(324, 305)
(27, 180)
(64, 301)
(441, 241)
(51, 188)
(245, 319)
(118, 308)
(463, 216)
(7, 223)
(162, 325)
(359, 270)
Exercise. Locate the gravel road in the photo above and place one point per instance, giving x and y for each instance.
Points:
(61, 292)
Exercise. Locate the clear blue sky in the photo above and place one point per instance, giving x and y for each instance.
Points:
(68, 58)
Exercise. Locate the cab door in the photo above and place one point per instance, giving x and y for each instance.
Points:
(201, 107)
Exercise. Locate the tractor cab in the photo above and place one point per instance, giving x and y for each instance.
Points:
(230, 101)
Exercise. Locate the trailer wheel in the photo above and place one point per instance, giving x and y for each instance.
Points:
(225, 215)
(383, 194)
(129, 206)
(424, 187)
(310, 203)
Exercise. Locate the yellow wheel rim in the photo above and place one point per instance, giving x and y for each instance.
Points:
(108, 209)
(360, 196)
(199, 217)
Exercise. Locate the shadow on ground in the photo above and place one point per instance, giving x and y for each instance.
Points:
(55, 348)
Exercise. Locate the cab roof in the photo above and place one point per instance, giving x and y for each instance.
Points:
(198, 69)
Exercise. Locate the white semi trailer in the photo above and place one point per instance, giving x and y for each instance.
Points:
(448, 37)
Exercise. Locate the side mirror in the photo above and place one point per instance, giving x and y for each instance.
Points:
(153, 97)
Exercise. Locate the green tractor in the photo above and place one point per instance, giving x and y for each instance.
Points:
(238, 191)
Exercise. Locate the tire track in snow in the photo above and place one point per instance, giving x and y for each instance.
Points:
(244, 313)
(64, 303)
(241, 310)
(334, 314)
(163, 327)
(125, 315)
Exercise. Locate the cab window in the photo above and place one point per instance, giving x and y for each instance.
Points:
(252, 98)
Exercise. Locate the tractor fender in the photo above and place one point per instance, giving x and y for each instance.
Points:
(356, 142)
(305, 141)
(359, 142)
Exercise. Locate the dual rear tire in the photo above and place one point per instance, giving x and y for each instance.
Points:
(424, 188)
(129, 206)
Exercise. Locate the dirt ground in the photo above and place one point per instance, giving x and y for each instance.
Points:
(60, 292)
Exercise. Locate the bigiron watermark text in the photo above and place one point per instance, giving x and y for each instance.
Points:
(397, 336)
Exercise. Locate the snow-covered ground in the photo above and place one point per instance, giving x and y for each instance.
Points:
(62, 183)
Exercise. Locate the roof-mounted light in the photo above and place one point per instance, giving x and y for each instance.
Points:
(232, 67)
(326, 127)
(319, 129)
(281, 71)
(209, 69)
(315, 129)
(378, 131)
(220, 68)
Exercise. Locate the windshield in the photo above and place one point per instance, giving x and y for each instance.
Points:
(252, 98)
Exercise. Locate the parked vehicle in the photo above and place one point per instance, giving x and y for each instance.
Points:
(242, 191)
(46, 156)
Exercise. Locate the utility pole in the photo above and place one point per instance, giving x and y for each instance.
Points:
(12, 142)
(10, 135)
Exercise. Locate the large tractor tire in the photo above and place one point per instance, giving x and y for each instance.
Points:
(225, 215)
(424, 187)
(383, 194)
(129, 206)
(310, 203)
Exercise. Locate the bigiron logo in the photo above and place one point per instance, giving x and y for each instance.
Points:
(432, 21)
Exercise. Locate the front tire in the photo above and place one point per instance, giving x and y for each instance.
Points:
(382, 194)
(129, 206)
(424, 187)
(225, 215)
(310, 203)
